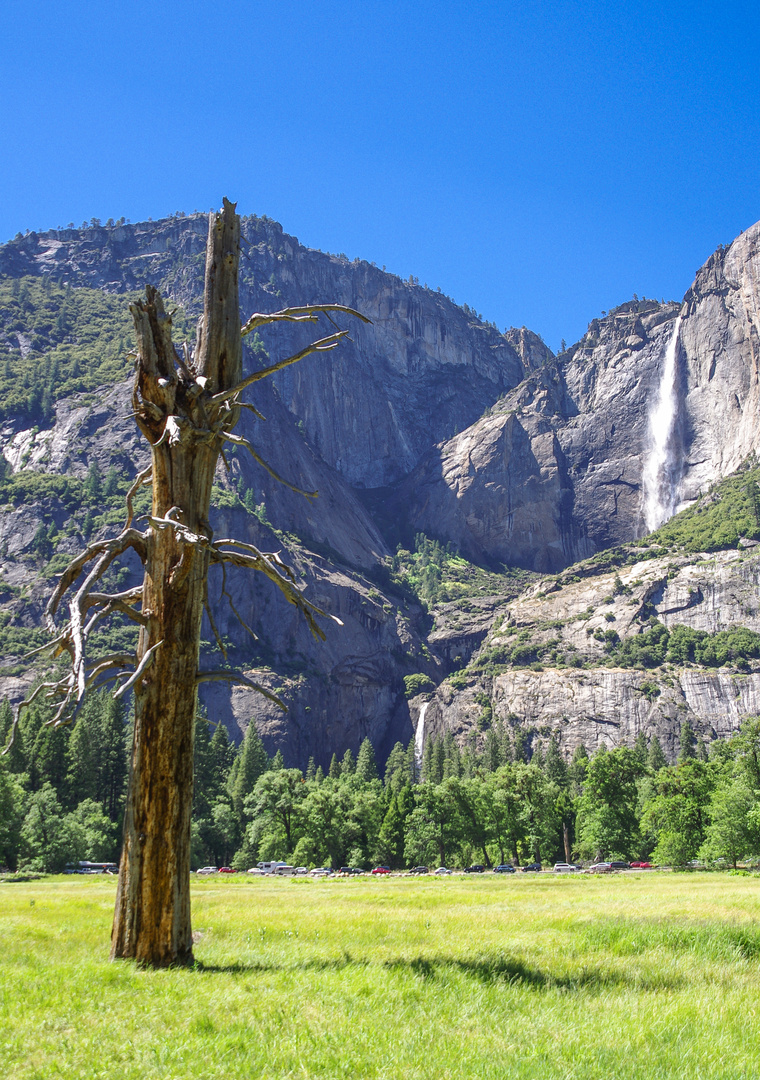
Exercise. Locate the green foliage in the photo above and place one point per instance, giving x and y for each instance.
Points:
(730, 512)
(675, 814)
(56, 340)
(417, 684)
(643, 650)
(607, 822)
(435, 573)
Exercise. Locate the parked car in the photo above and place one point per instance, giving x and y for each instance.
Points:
(532, 868)
(504, 868)
(443, 870)
(476, 868)
(419, 870)
(321, 871)
(255, 870)
(226, 870)
(641, 866)
(299, 870)
(600, 868)
(620, 865)
(203, 870)
(285, 870)
(381, 870)
(564, 868)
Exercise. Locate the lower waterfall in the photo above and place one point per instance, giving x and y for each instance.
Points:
(662, 467)
(419, 738)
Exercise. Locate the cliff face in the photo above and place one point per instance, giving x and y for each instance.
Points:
(551, 659)
(421, 371)
(555, 472)
(426, 420)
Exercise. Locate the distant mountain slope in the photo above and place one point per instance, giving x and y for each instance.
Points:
(428, 422)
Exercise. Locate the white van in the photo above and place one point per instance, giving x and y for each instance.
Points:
(279, 867)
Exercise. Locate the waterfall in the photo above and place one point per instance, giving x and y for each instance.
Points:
(419, 737)
(661, 469)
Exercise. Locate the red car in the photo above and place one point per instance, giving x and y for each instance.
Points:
(226, 870)
(641, 866)
(382, 870)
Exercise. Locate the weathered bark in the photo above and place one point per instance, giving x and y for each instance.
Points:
(152, 917)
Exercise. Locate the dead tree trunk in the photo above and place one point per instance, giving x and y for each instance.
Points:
(152, 919)
(186, 408)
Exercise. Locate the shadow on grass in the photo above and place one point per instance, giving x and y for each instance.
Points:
(490, 970)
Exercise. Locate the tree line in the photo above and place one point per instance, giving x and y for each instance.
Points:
(62, 797)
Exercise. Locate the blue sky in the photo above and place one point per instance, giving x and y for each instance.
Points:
(541, 161)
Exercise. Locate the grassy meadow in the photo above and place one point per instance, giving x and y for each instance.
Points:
(633, 975)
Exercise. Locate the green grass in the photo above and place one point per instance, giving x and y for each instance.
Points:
(631, 976)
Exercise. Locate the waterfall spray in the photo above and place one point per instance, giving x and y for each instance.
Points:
(660, 477)
(419, 737)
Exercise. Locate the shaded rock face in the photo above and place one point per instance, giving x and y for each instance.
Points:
(612, 706)
(555, 472)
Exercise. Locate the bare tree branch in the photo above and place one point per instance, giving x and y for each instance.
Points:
(240, 441)
(109, 549)
(141, 667)
(267, 565)
(231, 602)
(143, 477)
(297, 314)
(323, 345)
(233, 676)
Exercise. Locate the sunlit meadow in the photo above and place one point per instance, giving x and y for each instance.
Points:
(633, 975)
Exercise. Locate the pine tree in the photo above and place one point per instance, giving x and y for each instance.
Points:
(577, 769)
(555, 766)
(111, 485)
(491, 752)
(204, 777)
(334, 770)
(348, 764)
(687, 742)
(396, 771)
(366, 765)
(112, 758)
(427, 772)
(49, 754)
(641, 748)
(452, 759)
(251, 762)
(390, 840)
(311, 770)
(655, 757)
(93, 487)
(520, 745)
(222, 757)
(14, 759)
(278, 762)
(82, 755)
